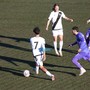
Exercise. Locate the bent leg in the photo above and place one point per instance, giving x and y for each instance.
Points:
(60, 44)
(76, 59)
(47, 72)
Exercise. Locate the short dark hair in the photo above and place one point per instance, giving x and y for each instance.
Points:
(75, 28)
(36, 30)
(54, 6)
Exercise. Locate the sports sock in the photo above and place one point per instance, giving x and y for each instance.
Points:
(37, 69)
(49, 74)
(60, 45)
(55, 46)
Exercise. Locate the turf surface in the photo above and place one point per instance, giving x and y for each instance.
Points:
(17, 19)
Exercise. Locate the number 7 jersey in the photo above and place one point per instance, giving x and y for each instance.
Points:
(38, 45)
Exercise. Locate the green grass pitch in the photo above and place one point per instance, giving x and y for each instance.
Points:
(17, 20)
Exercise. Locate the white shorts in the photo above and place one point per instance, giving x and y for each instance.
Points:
(39, 60)
(57, 32)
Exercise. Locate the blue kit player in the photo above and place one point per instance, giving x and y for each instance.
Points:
(83, 51)
(87, 36)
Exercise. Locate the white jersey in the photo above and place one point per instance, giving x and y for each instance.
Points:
(53, 17)
(38, 45)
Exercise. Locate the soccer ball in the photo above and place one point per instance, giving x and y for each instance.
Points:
(26, 73)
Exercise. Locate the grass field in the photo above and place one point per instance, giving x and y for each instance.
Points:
(17, 20)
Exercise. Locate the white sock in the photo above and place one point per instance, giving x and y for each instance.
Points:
(60, 45)
(37, 69)
(55, 45)
(82, 68)
(49, 74)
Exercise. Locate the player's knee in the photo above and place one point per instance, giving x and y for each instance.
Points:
(74, 60)
(41, 67)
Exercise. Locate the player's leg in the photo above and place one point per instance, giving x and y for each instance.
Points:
(37, 60)
(75, 62)
(47, 72)
(55, 41)
(55, 44)
(37, 69)
(89, 45)
(88, 56)
(60, 44)
(60, 41)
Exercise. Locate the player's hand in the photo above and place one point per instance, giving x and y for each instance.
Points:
(70, 45)
(79, 50)
(71, 20)
(88, 21)
(46, 28)
(44, 57)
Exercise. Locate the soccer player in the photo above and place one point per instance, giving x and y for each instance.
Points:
(57, 29)
(38, 49)
(87, 36)
(83, 51)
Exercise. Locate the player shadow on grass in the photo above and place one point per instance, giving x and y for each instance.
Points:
(19, 72)
(65, 50)
(13, 71)
(32, 64)
(15, 38)
(14, 47)
(14, 60)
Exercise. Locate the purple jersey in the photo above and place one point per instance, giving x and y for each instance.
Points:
(88, 37)
(80, 40)
(85, 54)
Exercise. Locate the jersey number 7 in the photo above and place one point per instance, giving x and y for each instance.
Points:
(36, 43)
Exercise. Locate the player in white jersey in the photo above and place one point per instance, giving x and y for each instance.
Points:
(57, 29)
(38, 49)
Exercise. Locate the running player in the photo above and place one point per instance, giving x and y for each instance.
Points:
(83, 51)
(57, 29)
(38, 49)
(87, 36)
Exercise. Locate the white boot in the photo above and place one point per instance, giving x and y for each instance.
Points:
(60, 52)
(57, 53)
(82, 71)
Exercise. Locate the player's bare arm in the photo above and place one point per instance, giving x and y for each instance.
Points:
(44, 56)
(48, 22)
(69, 19)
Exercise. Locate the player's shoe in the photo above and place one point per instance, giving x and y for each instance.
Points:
(82, 71)
(37, 72)
(60, 53)
(53, 77)
(57, 53)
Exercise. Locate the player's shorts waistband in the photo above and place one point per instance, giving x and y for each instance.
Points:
(38, 55)
(56, 29)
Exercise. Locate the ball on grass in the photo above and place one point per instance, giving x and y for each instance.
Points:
(26, 73)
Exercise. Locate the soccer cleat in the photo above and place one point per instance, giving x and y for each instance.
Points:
(60, 53)
(37, 72)
(53, 77)
(57, 53)
(82, 72)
